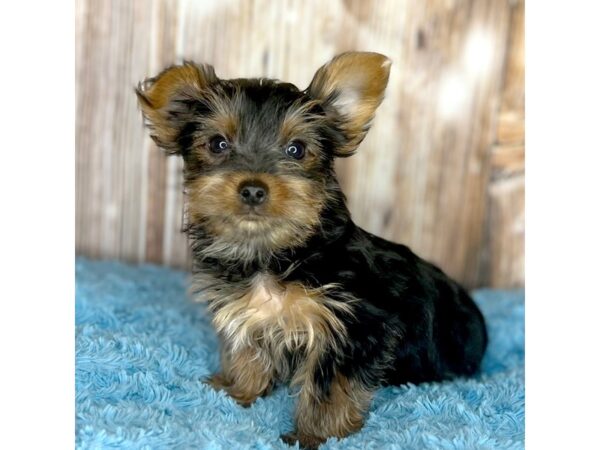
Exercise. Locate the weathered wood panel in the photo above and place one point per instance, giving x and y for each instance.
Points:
(421, 177)
(502, 263)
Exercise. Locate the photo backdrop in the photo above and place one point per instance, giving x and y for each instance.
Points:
(442, 169)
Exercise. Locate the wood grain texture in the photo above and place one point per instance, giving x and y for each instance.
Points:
(502, 261)
(424, 175)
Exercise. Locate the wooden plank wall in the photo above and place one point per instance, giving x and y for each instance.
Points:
(441, 170)
(502, 263)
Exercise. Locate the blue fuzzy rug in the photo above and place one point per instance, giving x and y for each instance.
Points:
(142, 346)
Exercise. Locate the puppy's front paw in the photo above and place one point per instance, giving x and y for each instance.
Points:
(306, 442)
(217, 381)
(221, 383)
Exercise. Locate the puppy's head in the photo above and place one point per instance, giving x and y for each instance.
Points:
(259, 153)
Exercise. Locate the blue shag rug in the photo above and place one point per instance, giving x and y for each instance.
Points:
(142, 346)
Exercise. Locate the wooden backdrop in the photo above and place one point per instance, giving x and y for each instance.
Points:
(441, 170)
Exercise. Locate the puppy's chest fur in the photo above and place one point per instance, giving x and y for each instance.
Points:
(281, 320)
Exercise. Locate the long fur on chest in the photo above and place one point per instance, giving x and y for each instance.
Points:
(280, 321)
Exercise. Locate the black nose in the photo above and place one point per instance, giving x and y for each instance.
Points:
(253, 194)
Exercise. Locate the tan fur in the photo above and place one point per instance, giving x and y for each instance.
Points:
(265, 321)
(159, 91)
(279, 316)
(338, 414)
(359, 79)
(223, 119)
(155, 94)
(285, 220)
(298, 121)
(243, 376)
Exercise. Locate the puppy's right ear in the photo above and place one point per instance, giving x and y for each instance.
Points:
(168, 101)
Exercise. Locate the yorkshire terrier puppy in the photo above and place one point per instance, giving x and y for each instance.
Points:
(298, 293)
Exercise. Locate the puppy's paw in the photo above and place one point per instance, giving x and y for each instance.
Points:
(217, 381)
(289, 438)
(306, 442)
(244, 402)
(221, 383)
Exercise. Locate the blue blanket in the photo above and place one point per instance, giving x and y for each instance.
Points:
(142, 346)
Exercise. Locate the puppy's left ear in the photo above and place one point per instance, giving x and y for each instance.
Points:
(351, 87)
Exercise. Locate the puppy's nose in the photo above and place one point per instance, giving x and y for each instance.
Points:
(253, 193)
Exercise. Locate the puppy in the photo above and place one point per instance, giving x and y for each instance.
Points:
(298, 293)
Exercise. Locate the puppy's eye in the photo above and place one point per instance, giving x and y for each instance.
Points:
(295, 150)
(218, 144)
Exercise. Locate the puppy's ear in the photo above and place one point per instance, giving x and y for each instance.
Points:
(351, 87)
(168, 100)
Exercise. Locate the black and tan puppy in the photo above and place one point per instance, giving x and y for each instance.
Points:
(297, 291)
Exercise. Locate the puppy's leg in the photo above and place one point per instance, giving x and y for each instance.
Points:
(246, 375)
(337, 412)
